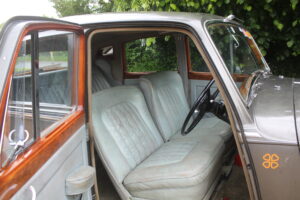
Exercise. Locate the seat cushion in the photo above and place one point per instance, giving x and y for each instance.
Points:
(211, 126)
(179, 169)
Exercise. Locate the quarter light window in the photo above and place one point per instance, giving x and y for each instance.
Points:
(43, 95)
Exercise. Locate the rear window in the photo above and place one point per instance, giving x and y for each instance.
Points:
(151, 54)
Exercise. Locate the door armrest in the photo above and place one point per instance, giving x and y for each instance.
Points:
(80, 180)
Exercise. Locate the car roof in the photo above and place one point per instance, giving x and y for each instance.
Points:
(181, 17)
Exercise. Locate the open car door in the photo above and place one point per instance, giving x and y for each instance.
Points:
(43, 149)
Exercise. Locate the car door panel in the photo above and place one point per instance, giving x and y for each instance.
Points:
(14, 176)
(69, 157)
(197, 87)
(46, 162)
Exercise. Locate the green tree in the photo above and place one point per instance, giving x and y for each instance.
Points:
(151, 54)
(72, 7)
(79, 7)
(104, 6)
(275, 24)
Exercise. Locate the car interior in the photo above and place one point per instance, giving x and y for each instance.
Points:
(160, 127)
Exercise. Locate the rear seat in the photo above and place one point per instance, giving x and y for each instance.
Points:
(101, 76)
(138, 160)
(99, 82)
(106, 68)
(166, 99)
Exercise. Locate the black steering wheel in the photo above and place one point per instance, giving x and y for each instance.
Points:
(203, 104)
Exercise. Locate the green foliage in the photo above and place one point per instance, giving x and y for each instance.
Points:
(275, 24)
(197, 62)
(71, 7)
(78, 7)
(151, 54)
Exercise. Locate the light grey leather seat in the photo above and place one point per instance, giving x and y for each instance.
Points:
(106, 68)
(166, 100)
(140, 164)
(99, 82)
(102, 76)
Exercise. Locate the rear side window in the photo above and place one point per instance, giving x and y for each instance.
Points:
(50, 83)
(151, 54)
(197, 62)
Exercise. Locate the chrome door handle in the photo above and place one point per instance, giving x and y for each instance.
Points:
(33, 192)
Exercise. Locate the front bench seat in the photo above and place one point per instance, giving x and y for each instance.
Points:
(166, 99)
(140, 164)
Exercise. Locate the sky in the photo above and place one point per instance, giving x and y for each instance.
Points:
(10, 8)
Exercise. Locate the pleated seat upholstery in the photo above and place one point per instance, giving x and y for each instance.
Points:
(167, 103)
(136, 156)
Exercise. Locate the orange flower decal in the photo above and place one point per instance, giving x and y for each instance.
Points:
(270, 161)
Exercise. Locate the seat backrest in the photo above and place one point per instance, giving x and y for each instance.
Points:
(53, 87)
(106, 68)
(102, 75)
(166, 100)
(99, 82)
(124, 131)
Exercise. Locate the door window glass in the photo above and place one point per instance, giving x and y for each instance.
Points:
(18, 125)
(54, 91)
(56, 66)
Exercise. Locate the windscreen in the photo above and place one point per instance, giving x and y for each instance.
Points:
(238, 50)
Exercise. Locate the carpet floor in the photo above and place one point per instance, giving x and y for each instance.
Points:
(235, 187)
